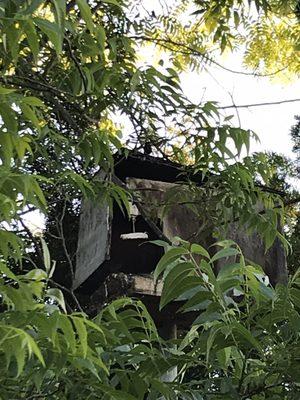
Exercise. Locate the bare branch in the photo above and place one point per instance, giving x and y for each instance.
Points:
(63, 240)
(77, 63)
(69, 291)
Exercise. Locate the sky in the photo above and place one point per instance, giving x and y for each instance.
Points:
(271, 123)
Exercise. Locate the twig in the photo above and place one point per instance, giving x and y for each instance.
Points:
(292, 202)
(70, 291)
(77, 64)
(242, 374)
(62, 237)
(262, 389)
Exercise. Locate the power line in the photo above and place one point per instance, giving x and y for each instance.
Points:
(271, 103)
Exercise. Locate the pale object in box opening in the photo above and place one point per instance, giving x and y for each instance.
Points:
(134, 212)
(134, 235)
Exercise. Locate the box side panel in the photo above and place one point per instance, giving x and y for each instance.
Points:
(93, 240)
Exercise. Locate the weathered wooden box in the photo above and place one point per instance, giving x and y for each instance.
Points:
(102, 249)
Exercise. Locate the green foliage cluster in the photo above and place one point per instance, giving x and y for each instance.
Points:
(239, 341)
(243, 341)
(266, 32)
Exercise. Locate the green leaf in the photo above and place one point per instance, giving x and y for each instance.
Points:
(36, 274)
(197, 249)
(9, 117)
(114, 2)
(60, 8)
(224, 253)
(56, 295)
(116, 394)
(32, 37)
(236, 18)
(163, 389)
(229, 270)
(208, 316)
(22, 146)
(160, 243)
(180, 286)
(246, 334)
(135, 80)
(177, 273)
(200, 297)
(64, 323)
(101, 36)
(13, 35)
(20, 354)
(96, 328)
(53, 31)
(224, 357)
(86, 13)
(82, 334)
(226, 284)
(6, 271)
(170, 256)
(30, 115)
(4, 91)
(38, 194)
(294, 293)
(33, 101)
(207, 269)
(46, 255)
(32, 7)
(33, 348)
(121, 197)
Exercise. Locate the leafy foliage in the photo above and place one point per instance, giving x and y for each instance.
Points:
(267, 32)
(243, 342)
(239, 344)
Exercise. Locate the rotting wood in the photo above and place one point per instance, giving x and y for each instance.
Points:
(145, 285)
(149, 292)
(132, 285)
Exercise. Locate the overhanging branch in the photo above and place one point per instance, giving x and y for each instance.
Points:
(182, 48)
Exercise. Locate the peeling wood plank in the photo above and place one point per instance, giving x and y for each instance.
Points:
(93, 240)
(145, 285)
(120, 284)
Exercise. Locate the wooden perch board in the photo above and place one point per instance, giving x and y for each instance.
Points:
(143, 287)
(119, 284)
(132, 285)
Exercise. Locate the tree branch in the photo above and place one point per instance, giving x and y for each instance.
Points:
(77, 64)
(70, 292)
(191, 51)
